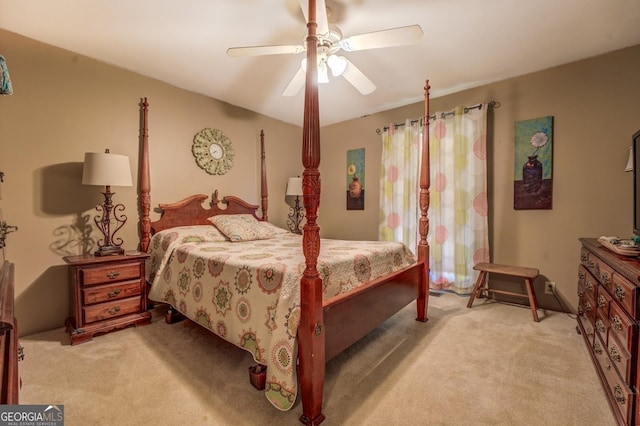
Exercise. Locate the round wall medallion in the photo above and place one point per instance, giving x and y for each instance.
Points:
(213, 151)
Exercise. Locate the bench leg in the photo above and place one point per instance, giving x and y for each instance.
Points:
(533, 302)
(477, 287)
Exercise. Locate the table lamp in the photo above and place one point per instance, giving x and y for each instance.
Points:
(109, 170)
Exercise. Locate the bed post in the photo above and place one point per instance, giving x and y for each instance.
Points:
(311, 333)
(423, 226)
(145, 182)
(264, 193)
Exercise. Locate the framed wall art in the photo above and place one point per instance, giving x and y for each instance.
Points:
(355, 179)
(533, 164)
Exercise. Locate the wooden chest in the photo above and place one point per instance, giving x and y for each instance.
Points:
(107, 294)
(608, 316)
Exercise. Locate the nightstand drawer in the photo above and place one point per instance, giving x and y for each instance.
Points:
(110, 310)
(115, 291)
(104, 274)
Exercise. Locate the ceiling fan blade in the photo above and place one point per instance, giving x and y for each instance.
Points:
(295, 84)
(321, 15)
(265, 50)
(360, 81)
(384, 38)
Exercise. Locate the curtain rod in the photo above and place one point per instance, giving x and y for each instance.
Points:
(491, 104)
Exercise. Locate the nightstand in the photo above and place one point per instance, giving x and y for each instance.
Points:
(107, 294)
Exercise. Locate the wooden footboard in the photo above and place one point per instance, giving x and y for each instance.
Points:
(349, 317)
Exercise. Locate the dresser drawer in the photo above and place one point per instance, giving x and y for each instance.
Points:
(619, 392)
(584, 256)
(115, 291)
(620, 358)
(587, 308)
(587, 283)
(603, 302)
(601, 326)
(109, 310)
(590, 285)
(625, 293)
(587, 330)
(622, 326)
(107, 273)
(602, 271)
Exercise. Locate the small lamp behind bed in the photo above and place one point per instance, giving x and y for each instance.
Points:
(109, 170)
(294, 188)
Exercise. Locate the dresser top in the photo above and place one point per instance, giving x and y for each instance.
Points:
(628, 266)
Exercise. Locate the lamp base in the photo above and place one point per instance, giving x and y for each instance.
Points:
(109, 251)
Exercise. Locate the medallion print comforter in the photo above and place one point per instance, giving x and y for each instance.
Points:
(249, 294)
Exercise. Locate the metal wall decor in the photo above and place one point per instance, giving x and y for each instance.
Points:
(213, 151)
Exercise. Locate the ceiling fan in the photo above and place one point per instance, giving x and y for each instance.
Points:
(330, 42)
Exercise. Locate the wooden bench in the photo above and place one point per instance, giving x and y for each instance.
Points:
(480, 289)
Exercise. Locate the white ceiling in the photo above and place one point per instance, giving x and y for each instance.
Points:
(466, 43)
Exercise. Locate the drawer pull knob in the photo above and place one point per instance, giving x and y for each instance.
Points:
(615, 354)
(589, 286)
(606, 278)
(619, 292)
(114, 292)
(602, 302)
(113, 274)
(587, 307)
(600, 326)
(583, 257)
(619, 395)
(597, 349)
(617, 323)
(114, 310)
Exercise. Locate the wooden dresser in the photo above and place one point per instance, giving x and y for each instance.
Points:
(608, 316)
(8, 338)
(107, 294)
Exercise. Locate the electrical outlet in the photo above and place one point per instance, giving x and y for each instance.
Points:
(549, 287)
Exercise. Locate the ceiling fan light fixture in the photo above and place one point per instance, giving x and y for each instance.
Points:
(337, 64)
(323, 76)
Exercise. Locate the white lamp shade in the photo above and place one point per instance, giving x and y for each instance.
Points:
(629, 167)
(106, 169)
(337, 64)
(294, 186)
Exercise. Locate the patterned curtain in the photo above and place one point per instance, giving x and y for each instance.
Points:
(399, 184)
(458, 226)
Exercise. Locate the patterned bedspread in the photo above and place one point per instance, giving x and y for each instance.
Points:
(248, 292)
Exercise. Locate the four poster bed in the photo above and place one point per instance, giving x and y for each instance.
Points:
(293, 301)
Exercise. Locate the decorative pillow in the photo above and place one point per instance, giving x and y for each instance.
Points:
(241, 227)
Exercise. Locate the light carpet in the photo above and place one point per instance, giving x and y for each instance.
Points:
(489, 365)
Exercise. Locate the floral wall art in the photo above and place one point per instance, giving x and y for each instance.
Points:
(355, 179)
(533, 164)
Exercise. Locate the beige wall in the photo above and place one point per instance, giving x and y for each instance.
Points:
(596, 108)
(66, 104)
